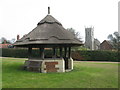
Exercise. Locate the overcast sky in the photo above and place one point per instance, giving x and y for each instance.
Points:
(22, 16)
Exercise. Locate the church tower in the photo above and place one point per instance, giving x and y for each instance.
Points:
(89, 38)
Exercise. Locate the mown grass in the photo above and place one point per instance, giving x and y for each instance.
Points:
(84, 75)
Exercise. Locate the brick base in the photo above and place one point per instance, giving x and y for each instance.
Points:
(50, 66)
(46, 66)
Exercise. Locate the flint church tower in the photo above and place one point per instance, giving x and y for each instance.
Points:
(89, 38)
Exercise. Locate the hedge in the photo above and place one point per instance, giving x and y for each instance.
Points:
(76, 55)
(96, 55)
(22, 53)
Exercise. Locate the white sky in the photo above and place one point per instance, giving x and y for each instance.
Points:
(22, 16)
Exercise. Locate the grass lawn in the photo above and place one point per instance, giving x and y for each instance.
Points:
(84, 75)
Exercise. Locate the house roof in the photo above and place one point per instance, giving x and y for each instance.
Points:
(109, 42)
(97, 42)
(48, 31)
(4, 45)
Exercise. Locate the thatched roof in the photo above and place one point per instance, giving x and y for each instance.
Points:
(48, 31)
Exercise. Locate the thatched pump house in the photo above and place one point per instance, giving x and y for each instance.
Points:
(49, 33)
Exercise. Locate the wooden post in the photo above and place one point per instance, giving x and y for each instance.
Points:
(40, 50)
(69, 52)
(60, 52)
(65, 52)
(54, 52)
(29, 52)
(42, 53)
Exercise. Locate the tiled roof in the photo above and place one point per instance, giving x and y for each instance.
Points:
(4, 45)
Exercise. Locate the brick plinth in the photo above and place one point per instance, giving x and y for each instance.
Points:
(50, 66)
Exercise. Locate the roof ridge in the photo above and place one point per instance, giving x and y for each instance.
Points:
(49, 19)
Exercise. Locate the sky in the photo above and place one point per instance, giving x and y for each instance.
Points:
(21, 16)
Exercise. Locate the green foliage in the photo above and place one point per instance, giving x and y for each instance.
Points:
(114, 39)
(79, 48)
(95, 55)
(84, 75)
(23, 53)
(76, 55)
(75, 33)
(4, 41)
(13, 52)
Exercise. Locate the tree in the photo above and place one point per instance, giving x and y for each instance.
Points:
(114, 38)
(76, 34)
(3, 40)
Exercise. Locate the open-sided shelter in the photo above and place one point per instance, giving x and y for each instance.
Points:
(49, 33)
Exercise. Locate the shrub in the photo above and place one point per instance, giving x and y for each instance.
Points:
(76, 55)
(23, 53)
(13, 52)
(96, 55)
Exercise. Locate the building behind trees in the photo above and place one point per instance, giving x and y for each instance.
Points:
(90, 42)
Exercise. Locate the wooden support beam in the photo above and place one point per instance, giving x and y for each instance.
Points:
(29, 52)
(60, 52)
(42, 53)
(69, 52)
(54, 52)
(65, 52)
